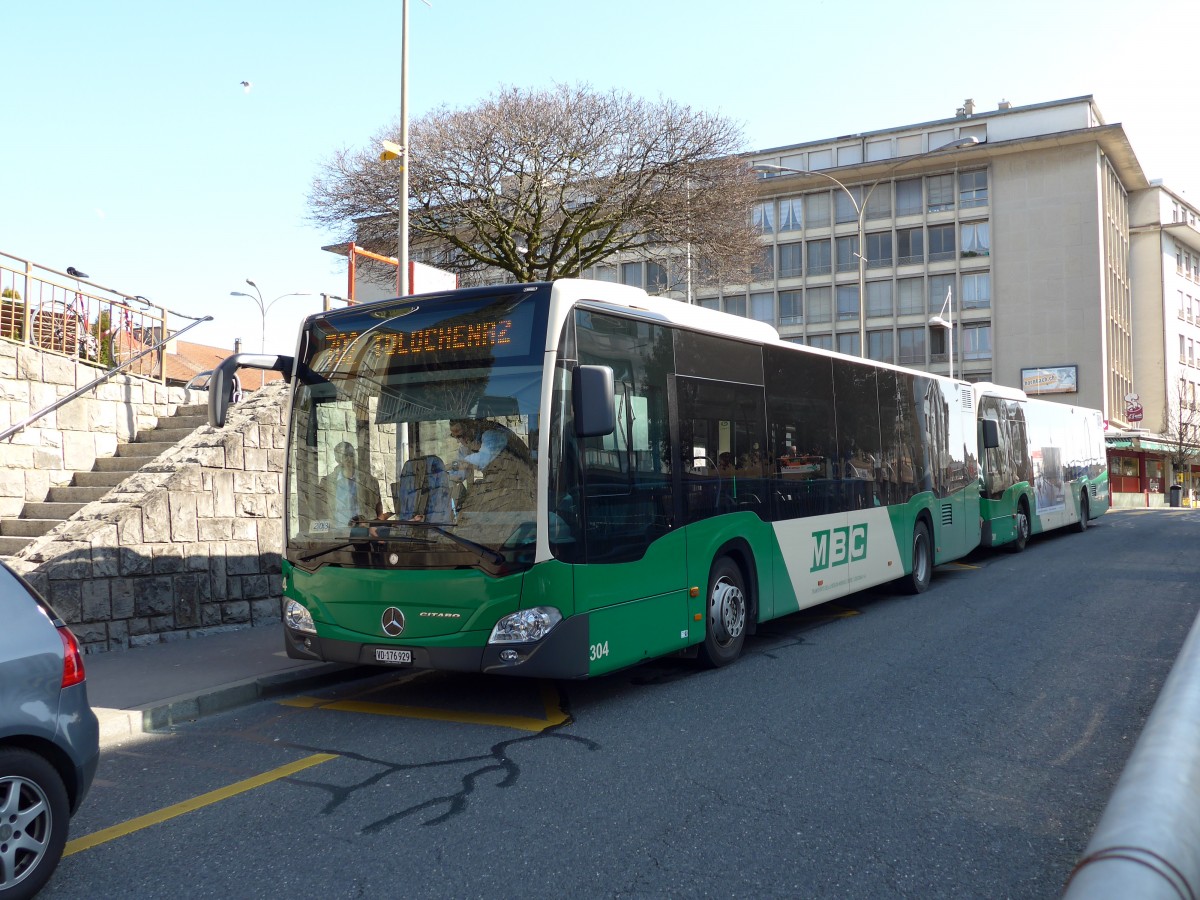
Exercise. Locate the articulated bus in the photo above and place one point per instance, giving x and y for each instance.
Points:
(564, 479)
(1043, 466)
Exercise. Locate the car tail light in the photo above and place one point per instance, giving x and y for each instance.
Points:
(72, 658)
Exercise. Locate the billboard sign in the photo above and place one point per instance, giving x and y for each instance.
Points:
(1050, 380)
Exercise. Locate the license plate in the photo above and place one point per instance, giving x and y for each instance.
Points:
(401, 657)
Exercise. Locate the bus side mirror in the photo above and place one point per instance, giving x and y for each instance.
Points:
(991, 433)
(592, 401)
(224, 379)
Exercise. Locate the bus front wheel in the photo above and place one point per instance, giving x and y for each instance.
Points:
(1021, 525)
(1082, 525)
(725, 630)
(917, 581)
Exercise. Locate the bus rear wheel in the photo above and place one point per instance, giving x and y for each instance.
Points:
(1082, 525)
(725, 630)
(917, 581)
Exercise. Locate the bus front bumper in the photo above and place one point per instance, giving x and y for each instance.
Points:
(561, 654)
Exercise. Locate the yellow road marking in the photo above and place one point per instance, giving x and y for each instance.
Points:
(958, 565)
(105, 835)
(554, 715)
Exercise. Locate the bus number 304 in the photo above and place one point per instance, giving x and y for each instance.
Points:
(598, 651)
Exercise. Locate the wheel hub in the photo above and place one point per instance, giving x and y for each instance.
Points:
(727, 611)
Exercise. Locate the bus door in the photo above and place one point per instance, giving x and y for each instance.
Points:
(724, 467)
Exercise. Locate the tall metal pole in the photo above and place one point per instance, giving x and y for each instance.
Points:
(402, 285)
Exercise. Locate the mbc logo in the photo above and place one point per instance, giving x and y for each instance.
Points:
(838, 546)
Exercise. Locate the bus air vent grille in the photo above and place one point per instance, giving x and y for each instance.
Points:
(968, 401)
(947, 514)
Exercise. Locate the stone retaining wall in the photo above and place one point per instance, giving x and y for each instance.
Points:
(189, 545)
(49, 451)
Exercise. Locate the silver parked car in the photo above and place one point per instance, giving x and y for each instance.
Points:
(49, 737)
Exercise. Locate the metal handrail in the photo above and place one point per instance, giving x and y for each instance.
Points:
(9, 432)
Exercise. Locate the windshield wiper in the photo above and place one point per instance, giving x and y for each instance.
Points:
(366, 539)
(494, 556)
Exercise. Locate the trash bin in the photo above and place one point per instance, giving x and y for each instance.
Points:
(1176, 495)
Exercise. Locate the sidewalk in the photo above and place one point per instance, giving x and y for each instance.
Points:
(148, 688)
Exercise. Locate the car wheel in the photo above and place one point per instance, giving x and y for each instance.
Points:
(34, 817)
(725, 630)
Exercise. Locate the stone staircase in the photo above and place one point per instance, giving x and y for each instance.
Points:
(63, 502)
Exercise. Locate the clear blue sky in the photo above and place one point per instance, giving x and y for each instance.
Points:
(129, 149)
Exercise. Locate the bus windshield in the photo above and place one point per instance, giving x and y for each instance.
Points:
(414, 432)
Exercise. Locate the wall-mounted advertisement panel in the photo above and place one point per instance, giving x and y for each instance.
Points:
(1050, 380)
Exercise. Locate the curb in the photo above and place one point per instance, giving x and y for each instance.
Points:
(117, 725)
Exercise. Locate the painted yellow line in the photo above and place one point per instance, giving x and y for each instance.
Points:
(554, 715)
(958, 565)
(462, 717)
(105, 835)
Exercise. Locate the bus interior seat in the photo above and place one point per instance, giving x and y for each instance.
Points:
(423, 490)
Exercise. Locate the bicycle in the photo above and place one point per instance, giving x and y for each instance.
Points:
(127, 340)
(63, 328)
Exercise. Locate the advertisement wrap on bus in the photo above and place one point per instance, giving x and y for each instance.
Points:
(564, 479)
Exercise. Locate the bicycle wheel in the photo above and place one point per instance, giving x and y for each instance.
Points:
(124, 346)
(55, 327)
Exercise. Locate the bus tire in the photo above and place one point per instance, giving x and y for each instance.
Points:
(1021, 522)
(917, 581)
(1082, 525)
(725, 615)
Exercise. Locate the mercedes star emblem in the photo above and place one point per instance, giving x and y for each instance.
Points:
(393, 622)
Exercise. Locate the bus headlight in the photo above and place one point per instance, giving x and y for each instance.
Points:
(526, 625)
(298, 618)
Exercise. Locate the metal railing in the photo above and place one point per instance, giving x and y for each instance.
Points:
(66, 314)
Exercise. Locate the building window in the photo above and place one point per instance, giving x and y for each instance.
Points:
(819, 262)
(879, 249)
(656, 278)
(912, 346)
(791, 260)
(820, 301)
(846, 209)
(709, 302)
(764, 268)
(847, 253)
(910, 246)
(941, 242)
(762, 218)
(910, 296)
(816, 210)
(939, 287)
(881, 346)
(847, 302)
(977, 341)
(1182, 349)
(790, 217)
(879, 202)
(848, 343)
(908, 197)
(606, 273)
(938, 341)
(822, 341)
(1183, 311)
(976, 239)
(977, 290)
(972, 189)
(939, 192)
(879, 299)
(631, 273)
(736, 306)
(791, 307)
(762, 307)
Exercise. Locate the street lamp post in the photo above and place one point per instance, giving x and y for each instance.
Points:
(263, 309)
(860, 209)
(942, 322)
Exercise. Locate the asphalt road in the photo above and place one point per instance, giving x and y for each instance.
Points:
(961, 743)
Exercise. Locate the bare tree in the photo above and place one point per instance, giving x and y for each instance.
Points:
(544, 184)
(1181, 430)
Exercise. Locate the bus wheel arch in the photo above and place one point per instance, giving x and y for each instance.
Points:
(730, 606)
(921, 572)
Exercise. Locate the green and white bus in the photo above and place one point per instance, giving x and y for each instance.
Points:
(564, 479)
(1043, 466)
